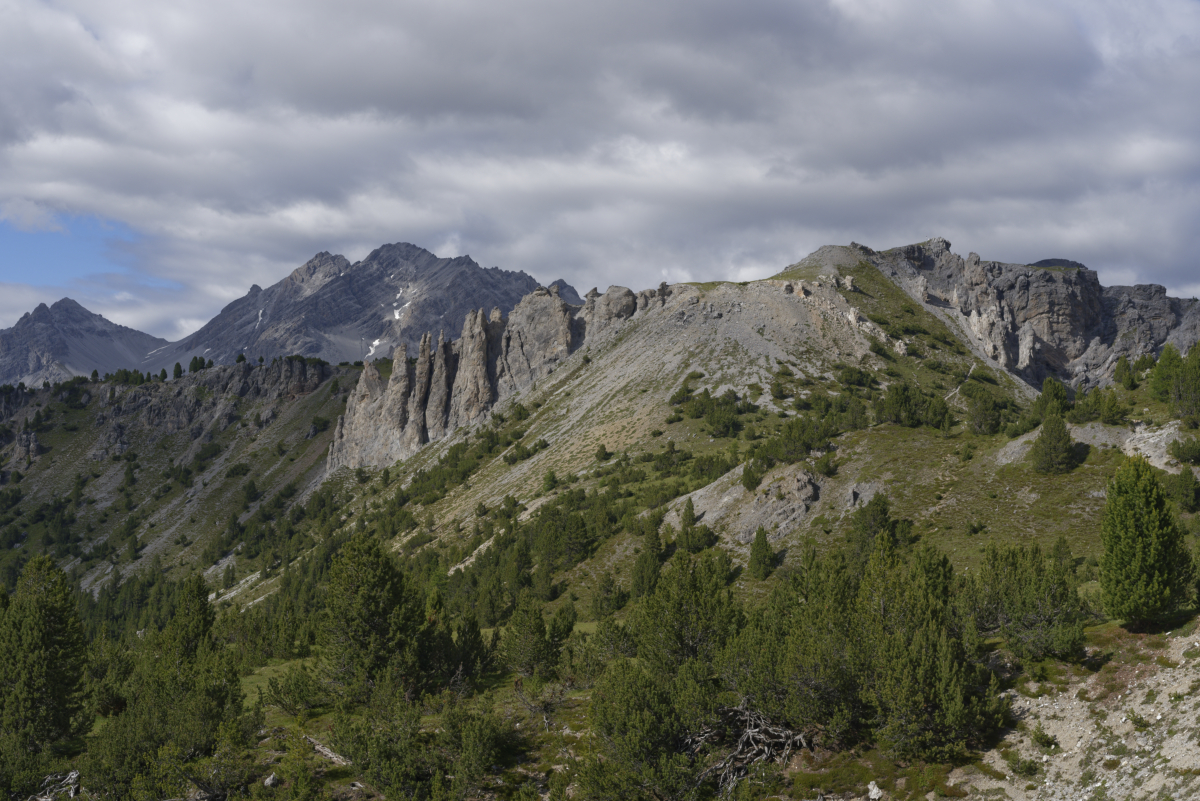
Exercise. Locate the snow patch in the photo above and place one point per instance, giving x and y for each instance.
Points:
(260, 311)
(374, 345)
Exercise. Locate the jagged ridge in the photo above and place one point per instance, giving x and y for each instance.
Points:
(454, 384)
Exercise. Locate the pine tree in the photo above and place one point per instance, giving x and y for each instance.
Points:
(1053, 450)
(178, 373)
(637, 733)
(870, 522)
(914, 674)
(1053, 393)
(526, 647)
(1162, 377)
(1185, 390)
(762, 558)
(42, 657)
(687, 518)
(689, 615)
(1123, 374)
(372, 617)
(647, 566)
(983, 414)
(1185, 490)
(1146, 570)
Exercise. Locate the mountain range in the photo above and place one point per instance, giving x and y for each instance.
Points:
(592, 477)
(328, 308)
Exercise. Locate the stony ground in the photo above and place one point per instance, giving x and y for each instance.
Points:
(1125, 725)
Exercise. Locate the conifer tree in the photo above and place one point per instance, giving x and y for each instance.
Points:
(42, 657)
(1146, 570)
(1053, 394)
(1162, 377)
(687, 518)
(762, 558)
(983, 414)
(689, 615)
(1123, 374)
(526, 646)
(1185, 390)
(372, 617)
(1053, 450)
(178, 373)
(1185, 490)
(647, 566)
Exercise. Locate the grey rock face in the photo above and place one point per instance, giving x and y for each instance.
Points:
(196, 405)
(55, 343)
(1052, 318)
(28, 446)
(339, 311)
(456, 384)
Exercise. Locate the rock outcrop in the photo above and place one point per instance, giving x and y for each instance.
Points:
(1048, 318)
(199, 406)
(454, 384)
(28, 446)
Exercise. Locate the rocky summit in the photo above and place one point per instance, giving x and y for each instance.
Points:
(54, 343)
(339, 311)
(1047, 319)
(329, 308)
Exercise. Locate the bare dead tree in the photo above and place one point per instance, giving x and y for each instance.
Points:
(752, 739)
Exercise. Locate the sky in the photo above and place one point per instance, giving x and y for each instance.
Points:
(157, 159)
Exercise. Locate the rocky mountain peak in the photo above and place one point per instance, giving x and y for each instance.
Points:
(1050, 318)
(54, 343)
(340, 311)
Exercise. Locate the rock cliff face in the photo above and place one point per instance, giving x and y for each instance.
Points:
(55, 343)
(339, 311)
(200, 405)
(1049, 318)
(454, 384)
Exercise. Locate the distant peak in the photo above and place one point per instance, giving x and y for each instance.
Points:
(567, 292)
(324, 265)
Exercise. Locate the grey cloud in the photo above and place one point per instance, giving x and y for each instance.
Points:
(603, 143)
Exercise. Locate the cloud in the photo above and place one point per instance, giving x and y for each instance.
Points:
(28, 216)
(602, 143)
